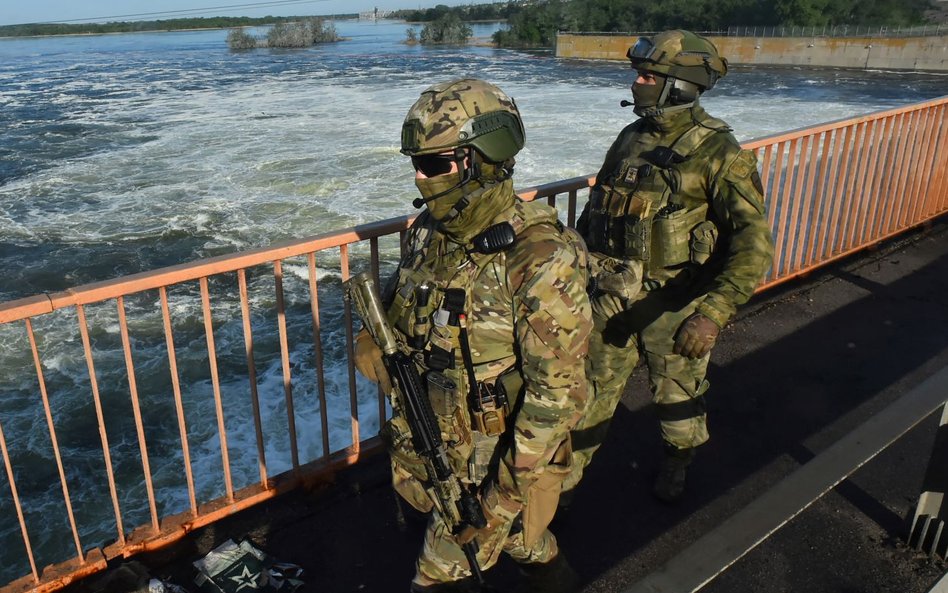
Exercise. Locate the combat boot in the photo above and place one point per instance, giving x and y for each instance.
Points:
(670, 484)
(555, 576)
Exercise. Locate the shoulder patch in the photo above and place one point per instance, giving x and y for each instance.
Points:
(742, 175)
(743, 166)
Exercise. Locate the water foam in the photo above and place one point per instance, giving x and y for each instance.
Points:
(127, 158)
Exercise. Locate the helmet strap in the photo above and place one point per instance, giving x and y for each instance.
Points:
(666, 91)
(504, 171)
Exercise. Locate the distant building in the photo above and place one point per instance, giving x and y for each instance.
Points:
(375, 14)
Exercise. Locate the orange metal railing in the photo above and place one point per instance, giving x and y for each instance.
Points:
(839, 187)
(831, 189)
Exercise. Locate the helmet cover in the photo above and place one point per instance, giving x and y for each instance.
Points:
(464, 113)
(679, 54)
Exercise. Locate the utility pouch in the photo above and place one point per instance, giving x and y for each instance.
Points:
(672, 236)
(616, 277)
(637, 237)
(482, 455)
(401, 311)
(490, 414)
(442, 393)
(443, 337)
(704, 238)
(422, 316)
(543, 495)
(408, 469)
(511, 382)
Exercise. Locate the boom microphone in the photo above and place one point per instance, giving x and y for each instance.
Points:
(418, 202)
(624, 103)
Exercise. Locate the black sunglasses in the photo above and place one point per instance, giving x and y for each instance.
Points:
(432, 165)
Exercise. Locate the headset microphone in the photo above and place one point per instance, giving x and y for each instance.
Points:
(624, 103)
(418, 202)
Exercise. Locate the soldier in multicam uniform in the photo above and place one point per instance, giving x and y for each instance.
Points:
(490, 298)
(678, 239)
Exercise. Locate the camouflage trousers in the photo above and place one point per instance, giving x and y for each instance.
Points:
(442, 560)
(623, 331)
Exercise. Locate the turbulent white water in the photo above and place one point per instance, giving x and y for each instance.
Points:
(124, 153)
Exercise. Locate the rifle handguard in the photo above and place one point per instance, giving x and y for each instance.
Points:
(361, 291)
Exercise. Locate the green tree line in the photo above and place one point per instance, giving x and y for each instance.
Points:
(219, 22)
(496, 11)
(535, 25)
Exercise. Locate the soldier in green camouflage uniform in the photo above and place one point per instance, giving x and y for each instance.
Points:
(678, 239)
(490, 291)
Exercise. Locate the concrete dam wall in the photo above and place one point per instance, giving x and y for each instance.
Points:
(870, 53)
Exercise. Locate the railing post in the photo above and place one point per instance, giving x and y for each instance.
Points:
(8, 465)
(285, 363)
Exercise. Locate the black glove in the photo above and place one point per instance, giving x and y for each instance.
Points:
(696, 336)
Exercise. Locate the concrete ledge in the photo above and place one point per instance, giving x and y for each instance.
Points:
(714, 552)
(870, 53)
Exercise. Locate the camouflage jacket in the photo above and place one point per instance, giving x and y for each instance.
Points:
(678, 195)
(528, 322)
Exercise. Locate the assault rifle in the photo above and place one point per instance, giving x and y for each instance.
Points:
(458, 506)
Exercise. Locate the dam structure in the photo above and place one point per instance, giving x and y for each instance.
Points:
(926, 53)
(839, 364)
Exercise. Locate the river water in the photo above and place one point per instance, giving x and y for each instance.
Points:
(123, 153)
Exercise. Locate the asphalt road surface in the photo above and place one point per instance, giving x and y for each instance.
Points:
(800, 368)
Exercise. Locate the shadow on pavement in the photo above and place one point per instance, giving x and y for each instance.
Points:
(794, 364)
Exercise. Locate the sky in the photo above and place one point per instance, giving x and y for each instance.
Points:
(14, 12)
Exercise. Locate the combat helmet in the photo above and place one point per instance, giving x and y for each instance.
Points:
(688, 63)
(474, 119)
(464, 113)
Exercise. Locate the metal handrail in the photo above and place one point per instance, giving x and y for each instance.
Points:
(831, 189)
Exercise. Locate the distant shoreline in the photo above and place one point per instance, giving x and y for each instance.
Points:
(185, 29)
(89, 34)
(473, 41)
(156, 29)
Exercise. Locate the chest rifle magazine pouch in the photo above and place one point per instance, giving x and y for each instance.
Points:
(637, 237)
(598, 234)
(672, 236)
(442, 393)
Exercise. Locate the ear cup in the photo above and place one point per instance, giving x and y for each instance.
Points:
(683, 91)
